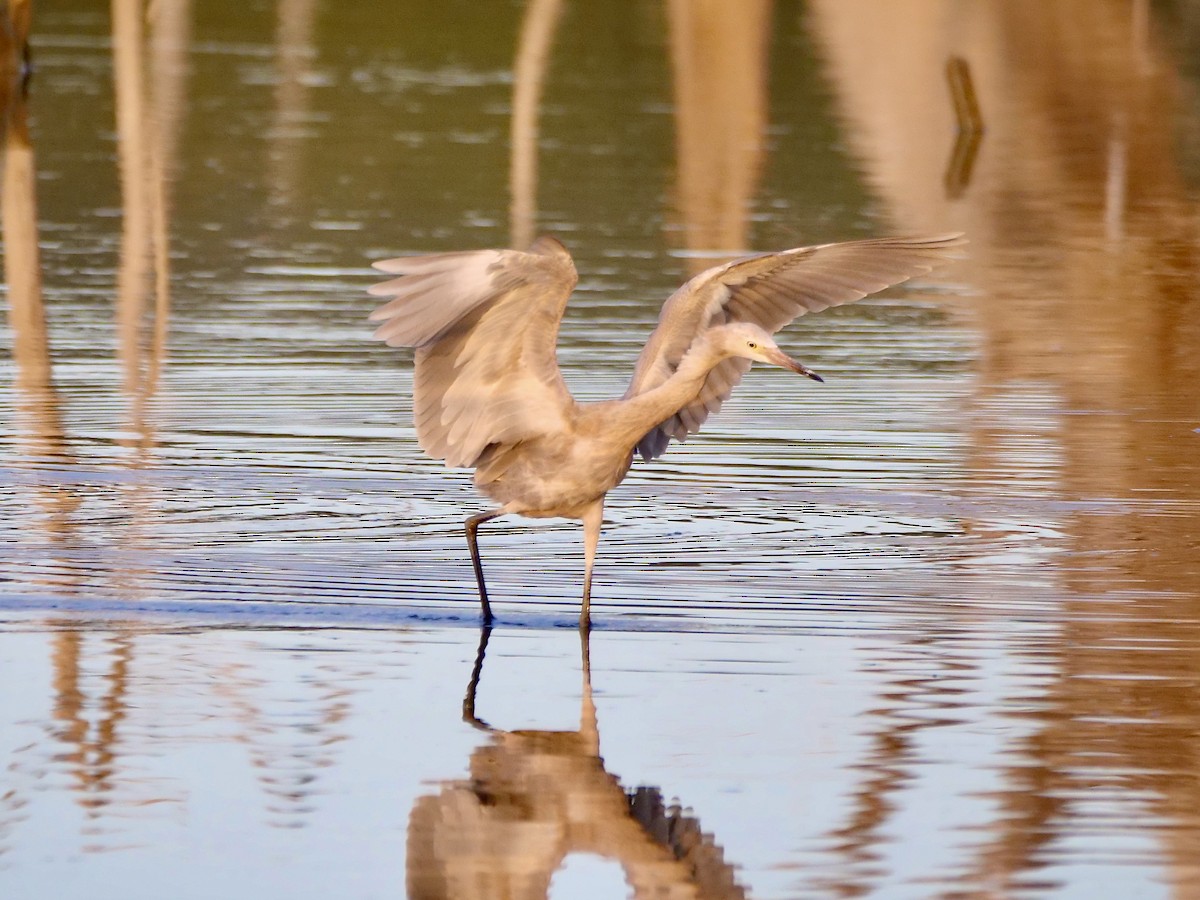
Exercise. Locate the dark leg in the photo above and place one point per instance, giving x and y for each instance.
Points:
(473, 524)
(469, 699)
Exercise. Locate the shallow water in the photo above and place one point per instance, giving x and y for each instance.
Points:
(929, 629)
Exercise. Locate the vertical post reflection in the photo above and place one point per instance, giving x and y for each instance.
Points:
(295, 24)
(149, 98)
(917, 697)
(133, 161)
(92, 734)
(150, 45)
(719, 57)
(288, 753)
(170, 36)
(38, 425)
(529, 75)
(1084, 234)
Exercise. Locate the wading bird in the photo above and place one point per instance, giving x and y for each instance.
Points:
(488, 393)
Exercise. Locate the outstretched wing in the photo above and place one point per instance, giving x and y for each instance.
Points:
(770, 290)
(484, 324)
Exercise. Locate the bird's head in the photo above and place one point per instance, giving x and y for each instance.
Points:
(749, 341)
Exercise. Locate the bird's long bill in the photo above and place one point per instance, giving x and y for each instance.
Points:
(779, 358)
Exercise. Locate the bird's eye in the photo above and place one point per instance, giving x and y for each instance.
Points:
(752, 345)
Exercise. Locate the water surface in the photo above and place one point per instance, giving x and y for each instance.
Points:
(928, 629)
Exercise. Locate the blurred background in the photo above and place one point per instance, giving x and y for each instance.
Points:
(930, 629)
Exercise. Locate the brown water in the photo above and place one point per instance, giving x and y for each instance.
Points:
(931, 629)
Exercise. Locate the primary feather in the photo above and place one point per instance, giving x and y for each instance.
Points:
(770, 290)
(484, 325)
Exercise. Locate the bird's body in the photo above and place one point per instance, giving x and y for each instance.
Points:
(554, 476)
(488, 393)
(561, 473)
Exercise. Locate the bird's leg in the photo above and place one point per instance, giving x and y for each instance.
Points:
(591, 538)
(473, 524)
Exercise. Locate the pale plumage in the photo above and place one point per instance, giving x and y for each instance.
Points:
(488, 392)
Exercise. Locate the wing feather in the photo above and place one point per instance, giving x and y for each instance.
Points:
(771, 290)
(485, 325)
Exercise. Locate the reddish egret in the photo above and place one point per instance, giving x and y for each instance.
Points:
(488, 393)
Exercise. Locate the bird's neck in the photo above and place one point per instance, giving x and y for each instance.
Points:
(634, 417)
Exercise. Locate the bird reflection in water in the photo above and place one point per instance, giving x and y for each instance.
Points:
(533, 799)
